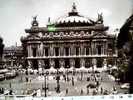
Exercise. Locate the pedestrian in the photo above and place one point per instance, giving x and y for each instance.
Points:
(97, 83)
(10, 84)
(72, 81)
(26, 78)
(81, 92)
(101, 90)
(67, 91)
(88, 91)
(10, 92)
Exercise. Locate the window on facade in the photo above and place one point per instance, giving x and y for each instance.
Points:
(56, 51)
(99, 49)
(110, 46)
(77, 50)
(87, 50)
(46, 51)
(67, 51)
(34, 52)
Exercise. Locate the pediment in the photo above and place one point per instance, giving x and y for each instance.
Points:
(33, 37)
(99, 35)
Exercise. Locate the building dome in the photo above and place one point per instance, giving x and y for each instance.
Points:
(73, 19)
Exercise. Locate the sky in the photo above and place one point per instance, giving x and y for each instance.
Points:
(16, 15)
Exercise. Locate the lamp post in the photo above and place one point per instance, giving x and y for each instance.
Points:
(45, 83)
(58, 82)
(67, 73)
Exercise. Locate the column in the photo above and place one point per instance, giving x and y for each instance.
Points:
(82, 47)
(41, 49)
(31, 52)
(105, 64)
(29, 64)
(61, 61)
(71, 49)
(74, 49)
(40, 68)
(51, 50)
(61, 50)
(44, 52)
(51, 63)
(37, 53)
(92, 45)
(28, 51)
(72, 63)
(94, 63)
(82, 62)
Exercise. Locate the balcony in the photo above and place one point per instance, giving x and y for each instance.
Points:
(73, 56)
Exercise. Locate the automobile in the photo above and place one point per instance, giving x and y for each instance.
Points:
(2, 77)
(91, 85)
(10, 74)
(96, 71)
(125, 86)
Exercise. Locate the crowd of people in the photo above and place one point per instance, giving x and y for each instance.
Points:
(94, 80)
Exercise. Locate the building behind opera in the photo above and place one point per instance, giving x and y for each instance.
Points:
(73, 41)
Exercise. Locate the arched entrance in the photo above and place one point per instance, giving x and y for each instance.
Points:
(99, 62)
(35, 64)
(46, 64)
(67, 63)
(57, 63)
(87, 63)
(77, 63)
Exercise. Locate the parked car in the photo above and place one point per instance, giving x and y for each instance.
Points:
(91, 85)
(2, 71)
(10, 74)
(125, 86)
(2, 77)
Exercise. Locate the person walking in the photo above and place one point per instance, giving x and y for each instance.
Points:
(72, 81)
(88, 90)
(67, 91)
(81, 92)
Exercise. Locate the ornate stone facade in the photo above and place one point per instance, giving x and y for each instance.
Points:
(72, 41)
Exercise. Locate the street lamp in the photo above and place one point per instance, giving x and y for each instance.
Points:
(45, 83)
(58, 82)
(67, 73)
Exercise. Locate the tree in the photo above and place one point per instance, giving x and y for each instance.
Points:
(1, 49)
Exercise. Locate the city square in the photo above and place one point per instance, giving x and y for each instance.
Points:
(72, 55)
